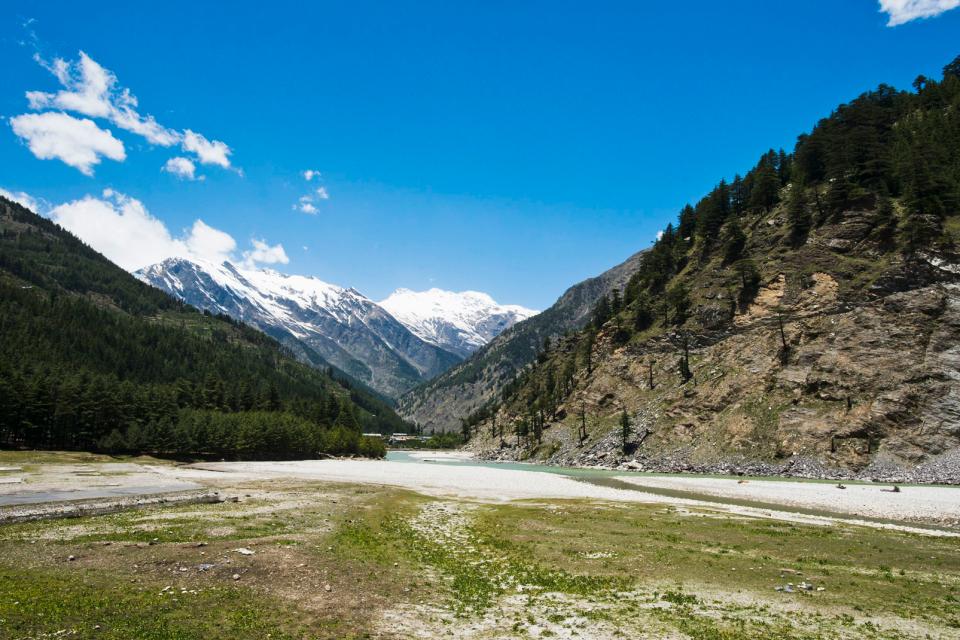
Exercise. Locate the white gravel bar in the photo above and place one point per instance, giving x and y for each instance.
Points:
(911, 503)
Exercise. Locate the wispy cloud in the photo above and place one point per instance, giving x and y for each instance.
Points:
(183, 168)
(79, 143)
(903, 11)
(91, 90)
(23, 198)
(207, 151)
(263, 253)
(306, 203)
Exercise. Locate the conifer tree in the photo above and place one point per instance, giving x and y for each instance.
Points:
(798, 216)
(766, 187)
(734, 241)
(625, 430)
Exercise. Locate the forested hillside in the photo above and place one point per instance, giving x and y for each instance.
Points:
(91, 358)
(801, 317)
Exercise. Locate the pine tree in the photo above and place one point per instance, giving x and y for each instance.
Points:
(625, 430)
(678, 303)
(798, 217)
(749, 279)
(734, 241)
(885, 224)
(838, 197)
(766, 187)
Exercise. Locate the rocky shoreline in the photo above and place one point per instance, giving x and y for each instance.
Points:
(101, 506)
(607, 454)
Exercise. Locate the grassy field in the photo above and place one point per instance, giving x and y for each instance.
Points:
(343, 561)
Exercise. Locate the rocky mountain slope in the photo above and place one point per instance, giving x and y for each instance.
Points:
(458, 322)
(440, 404)
(803, 319)
(323, 324)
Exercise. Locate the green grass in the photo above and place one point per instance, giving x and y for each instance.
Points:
(84, 604)
(864, 571)
(565, 566)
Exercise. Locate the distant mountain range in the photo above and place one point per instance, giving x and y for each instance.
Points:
(391, 347)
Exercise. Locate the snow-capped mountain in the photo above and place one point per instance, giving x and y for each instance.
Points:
(457, 322)
(322, 323)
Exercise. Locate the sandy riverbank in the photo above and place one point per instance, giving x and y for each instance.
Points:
(914, 504)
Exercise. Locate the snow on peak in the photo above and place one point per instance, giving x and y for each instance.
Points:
(461, 322)
(269, 291)
(457, 322)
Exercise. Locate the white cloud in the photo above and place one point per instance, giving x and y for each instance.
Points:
(207, 151)
(212, 244)
(22, 198)
(122, 229)
(79, 143)
(183, 168)
(265, 254)
(92, 90)
(305, 205)
(659, 235)
(903, 11)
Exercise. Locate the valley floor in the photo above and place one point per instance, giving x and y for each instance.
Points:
(340, 549)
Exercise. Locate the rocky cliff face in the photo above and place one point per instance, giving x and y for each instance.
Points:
(845, 364)
(442, 402)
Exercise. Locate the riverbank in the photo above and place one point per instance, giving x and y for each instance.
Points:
(434, 545)
(607, 453)
(444, 474)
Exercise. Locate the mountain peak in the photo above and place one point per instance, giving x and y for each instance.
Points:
(460, 322)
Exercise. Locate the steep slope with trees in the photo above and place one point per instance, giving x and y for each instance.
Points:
(803, 318)
(442, 403)
(91, 358)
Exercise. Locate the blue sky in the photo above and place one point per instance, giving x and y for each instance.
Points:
(508, 147)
